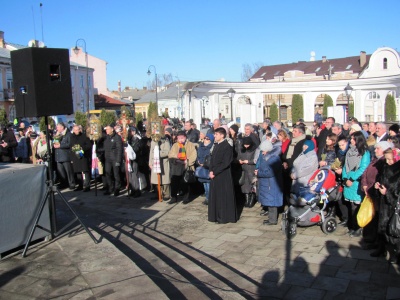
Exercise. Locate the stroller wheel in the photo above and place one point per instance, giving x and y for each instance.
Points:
(292, 230)
(329, 226)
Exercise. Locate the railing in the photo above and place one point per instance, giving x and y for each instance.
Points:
(8, 94)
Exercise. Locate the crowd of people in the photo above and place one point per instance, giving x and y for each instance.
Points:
(265, 163)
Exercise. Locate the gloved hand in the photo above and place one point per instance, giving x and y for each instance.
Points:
(117, 164)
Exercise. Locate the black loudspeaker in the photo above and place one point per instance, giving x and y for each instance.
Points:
(42, 82)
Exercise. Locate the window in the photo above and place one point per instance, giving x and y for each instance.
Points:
(90, 82)
(81, 81)
(263, 74)
(283, 113)
(348, 67)
(385, 63)
(317, 69)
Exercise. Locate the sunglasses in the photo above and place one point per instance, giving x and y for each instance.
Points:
(206, 138)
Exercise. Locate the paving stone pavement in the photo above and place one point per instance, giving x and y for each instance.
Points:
(152, 250)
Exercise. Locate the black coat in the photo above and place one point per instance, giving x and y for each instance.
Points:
(193, 135)
(7, 153)
(321, 141)
(113, 148)
(63, 154)
(222, 201)
(391, 180)
(81, 164)
(298, 148)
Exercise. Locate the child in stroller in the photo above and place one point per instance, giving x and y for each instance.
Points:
(309, 207)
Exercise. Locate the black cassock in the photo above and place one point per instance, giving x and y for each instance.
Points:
(222, 201)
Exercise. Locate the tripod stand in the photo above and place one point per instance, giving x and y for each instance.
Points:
(49, 196)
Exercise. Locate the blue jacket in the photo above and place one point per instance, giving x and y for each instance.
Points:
(270, 187)
(354, 192)
(202, 152)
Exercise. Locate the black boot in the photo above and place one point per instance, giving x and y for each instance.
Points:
(246, 200)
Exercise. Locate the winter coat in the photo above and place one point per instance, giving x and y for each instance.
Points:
(391, 180)
(321, 141)
(202, 152)
(248, 169)
(7, 153)
(330, 156)
(354, 193)
(63, 154)
(370, 176)
(164, 148)
(191, 156)
(81, 164)
(21, 151)
(193, 135)
(304, 167)
(270, 182)
(113, 148)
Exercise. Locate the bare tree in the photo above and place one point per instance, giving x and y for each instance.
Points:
(162, 80)
(249, 70)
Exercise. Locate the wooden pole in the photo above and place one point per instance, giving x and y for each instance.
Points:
(159, 187)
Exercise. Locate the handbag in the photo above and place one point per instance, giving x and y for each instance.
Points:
(189, 177)
(394, 223)
(206, 163)
(202, 172)
(242, 178)
(366, 212)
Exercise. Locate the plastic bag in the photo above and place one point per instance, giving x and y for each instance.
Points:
(366, 212)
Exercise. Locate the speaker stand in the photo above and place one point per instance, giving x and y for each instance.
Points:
(49, 196)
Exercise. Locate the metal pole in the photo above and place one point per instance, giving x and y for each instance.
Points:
(87, 80)
(231, 109)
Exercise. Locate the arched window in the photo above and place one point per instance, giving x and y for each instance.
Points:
(385, 63)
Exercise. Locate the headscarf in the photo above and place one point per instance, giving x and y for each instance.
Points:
(310, 146)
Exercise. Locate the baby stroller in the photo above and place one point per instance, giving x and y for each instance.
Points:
(309, 208)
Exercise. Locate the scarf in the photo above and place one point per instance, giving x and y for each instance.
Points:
(343, 152)
(292, 144)
(181, 151)
(353, 159)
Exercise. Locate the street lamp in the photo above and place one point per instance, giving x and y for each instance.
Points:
(76, 51)
(231, 93)
(348, 89)
(279, 107)
(155, 76)
(204, 101)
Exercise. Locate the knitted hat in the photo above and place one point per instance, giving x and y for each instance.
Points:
(310, 146)
(384, 145)
(204, 131)
(266, 146)
(395, 128)
(211, 137)
(169, 130)
(247, 140)
(235, 128)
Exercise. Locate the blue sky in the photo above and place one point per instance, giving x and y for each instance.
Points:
(203, 40)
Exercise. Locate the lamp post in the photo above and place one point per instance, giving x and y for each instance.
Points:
(231, 93)
(76, 51)
(348, 89)
(204, 101)
(279, 107)
(155, 77)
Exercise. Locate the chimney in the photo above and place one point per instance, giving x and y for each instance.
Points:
(119, 86)
(323, 59)
(2, 42)
(363, 58)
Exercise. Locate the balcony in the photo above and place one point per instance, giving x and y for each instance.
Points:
(8, 94)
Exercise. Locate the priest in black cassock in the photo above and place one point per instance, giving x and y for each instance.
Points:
(222, 201)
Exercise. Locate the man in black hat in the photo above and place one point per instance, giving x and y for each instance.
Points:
(113, 158)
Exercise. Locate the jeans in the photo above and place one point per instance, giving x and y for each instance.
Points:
(206, 189)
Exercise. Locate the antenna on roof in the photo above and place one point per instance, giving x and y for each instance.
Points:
(34, 27)
(41, 21)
